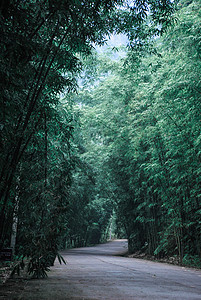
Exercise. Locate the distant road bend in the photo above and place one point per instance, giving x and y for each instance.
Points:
(98, 273)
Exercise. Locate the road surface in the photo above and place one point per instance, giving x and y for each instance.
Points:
(97, 273)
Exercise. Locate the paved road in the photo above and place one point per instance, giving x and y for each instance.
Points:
(95, 273)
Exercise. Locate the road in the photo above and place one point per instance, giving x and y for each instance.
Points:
(97, 273)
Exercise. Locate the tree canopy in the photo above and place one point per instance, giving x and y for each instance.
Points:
(144, 135)
(91, 145)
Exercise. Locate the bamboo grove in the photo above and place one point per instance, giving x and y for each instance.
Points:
(144, 139)
(94, 145)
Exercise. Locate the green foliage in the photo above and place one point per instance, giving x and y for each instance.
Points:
(143, 122)
(51, 185)
(194, 261)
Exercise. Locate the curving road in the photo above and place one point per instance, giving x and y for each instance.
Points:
(96, 273)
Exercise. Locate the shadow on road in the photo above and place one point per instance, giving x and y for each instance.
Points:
(112, 248)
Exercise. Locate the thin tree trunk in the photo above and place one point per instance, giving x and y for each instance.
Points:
(15, 221)
(46, 150)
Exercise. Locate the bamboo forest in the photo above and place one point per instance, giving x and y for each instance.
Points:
(99, 140)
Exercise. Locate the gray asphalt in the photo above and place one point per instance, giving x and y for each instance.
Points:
(97, 273)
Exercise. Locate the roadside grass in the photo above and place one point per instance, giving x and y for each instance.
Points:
(189, 261)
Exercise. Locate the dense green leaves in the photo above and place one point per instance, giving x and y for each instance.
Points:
(59, 184)
(144, 131)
